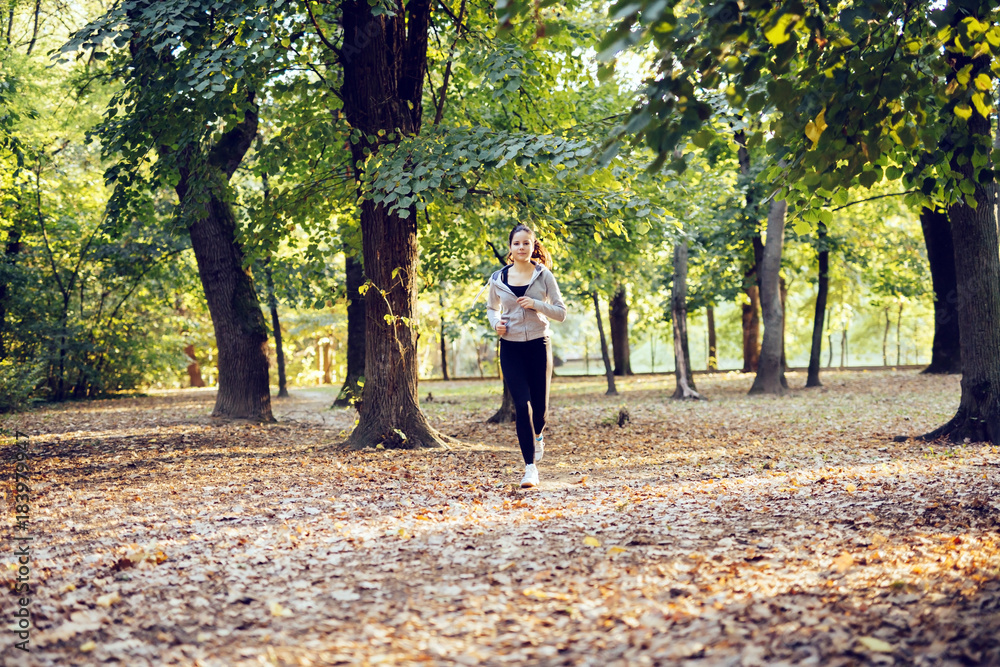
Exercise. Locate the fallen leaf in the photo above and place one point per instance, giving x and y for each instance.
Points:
(109, 599)
(843, 562)
(278, 610)
(591, 541)
(877, 645)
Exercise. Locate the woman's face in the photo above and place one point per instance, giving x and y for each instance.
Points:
(522, 245)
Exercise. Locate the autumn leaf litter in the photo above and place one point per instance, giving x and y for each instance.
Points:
(741, 531)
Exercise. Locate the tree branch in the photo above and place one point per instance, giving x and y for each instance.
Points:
(862, 201)
(500, 258)
(319, 31)
(447, 70)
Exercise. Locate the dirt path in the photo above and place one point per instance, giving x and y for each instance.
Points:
(736, 532)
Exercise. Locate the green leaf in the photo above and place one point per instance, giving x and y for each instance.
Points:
(779, 32)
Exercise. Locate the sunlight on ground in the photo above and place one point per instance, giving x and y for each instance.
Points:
(738, 531)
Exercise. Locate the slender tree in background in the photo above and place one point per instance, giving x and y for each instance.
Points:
(751, 329)
(608, 369)
(822, 290)
(946, 351)
(279, 350)
(272, 304)
(713, 350)
(770, 378)
(351, 390)
(442, 339)
(618, 324)
(685, 388)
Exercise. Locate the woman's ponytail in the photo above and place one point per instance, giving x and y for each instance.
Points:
(542, 255)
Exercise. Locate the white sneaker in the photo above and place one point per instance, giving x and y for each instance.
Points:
(539, 448)
(530, 476)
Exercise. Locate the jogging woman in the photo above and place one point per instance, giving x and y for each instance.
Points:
(523, 297)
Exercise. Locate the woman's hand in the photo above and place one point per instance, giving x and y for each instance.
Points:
(502, 327)
(526, 302)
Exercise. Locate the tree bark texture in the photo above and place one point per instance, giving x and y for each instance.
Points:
(279, 351)
(685, 388)
(356, 325)
(751, 330)
(240, 332)
(946, 351)
(608, 370)
(822, 290)
(618, 323)
(977, 272)
(384, 62)
(770, 378)
(713, 350)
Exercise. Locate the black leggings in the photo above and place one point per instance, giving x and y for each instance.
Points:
(527, 370)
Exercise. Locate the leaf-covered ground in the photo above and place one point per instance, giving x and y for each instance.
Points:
(741, 531)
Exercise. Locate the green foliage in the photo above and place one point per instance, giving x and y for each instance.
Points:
(850, 96)
(18, 383)
(191, 72)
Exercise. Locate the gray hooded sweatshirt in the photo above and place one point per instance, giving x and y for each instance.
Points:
(525, 324)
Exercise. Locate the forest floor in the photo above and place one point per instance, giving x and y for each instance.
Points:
(738, 531)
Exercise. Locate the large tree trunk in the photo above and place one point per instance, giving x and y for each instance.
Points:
(356, 325)
(240, 332)
(822, 290)
(946, 352)
(385, 64)
(608, 370)
(770, 377)
(618, 323)
(279, 351)
(685, 388)
(751, 330)
(977, 270)
(713, 353)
